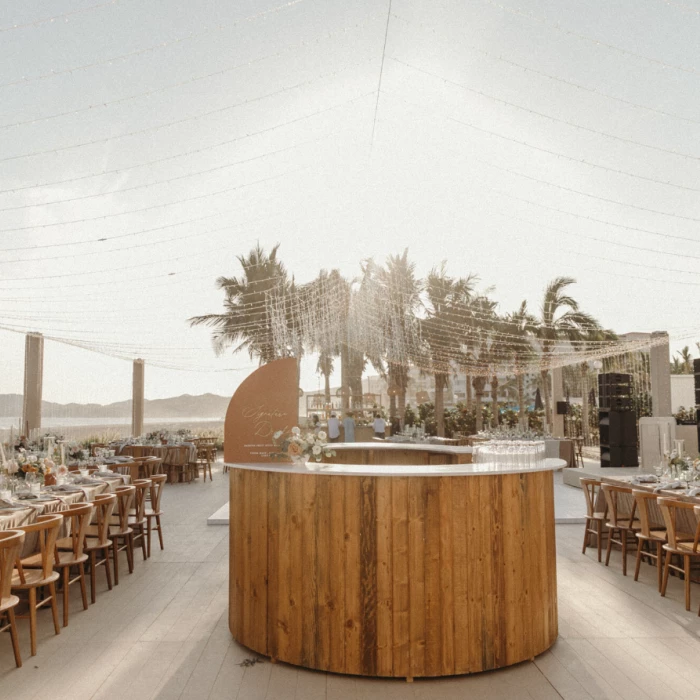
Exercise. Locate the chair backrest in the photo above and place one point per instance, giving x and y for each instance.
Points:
(150, 466)
(104, 507)
(621, 510)
(143, 486)
(11, 542)
(178, 455)
(46, 528)
(96, 446)
(670, 508)
(125, 502)
(644, 499)
(591, 490)
(79, 515)
(157, 483)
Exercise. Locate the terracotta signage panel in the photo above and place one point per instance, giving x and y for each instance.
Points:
(266, 401)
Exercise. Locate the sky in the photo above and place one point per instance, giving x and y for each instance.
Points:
(143, 146)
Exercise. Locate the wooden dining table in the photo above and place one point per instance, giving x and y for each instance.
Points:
(176, 458)
(687, 522)
(55, 500)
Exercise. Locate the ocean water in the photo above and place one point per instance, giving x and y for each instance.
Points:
(48, 421)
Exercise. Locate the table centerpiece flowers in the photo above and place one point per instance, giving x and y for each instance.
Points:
(301, 448)
(30, 466)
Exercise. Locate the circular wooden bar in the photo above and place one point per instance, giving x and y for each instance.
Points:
(407, 453)
(393, 570)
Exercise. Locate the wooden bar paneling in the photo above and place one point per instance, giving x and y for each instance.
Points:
(393, 576)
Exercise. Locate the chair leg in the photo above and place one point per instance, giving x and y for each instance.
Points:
(32, 620)
(586, 536)
(108, 567)
(130, 551)
(624, 553)
(115, 556)
(143, 542)
(659, 565)
(600, 538)
(160, 531)
(667, 569)
(686, 576)
(15, 638)
(83, 588)
(609, 549)
(66, 594)
(93, 577)
(54, 608)
(148, 529)
(638, 562)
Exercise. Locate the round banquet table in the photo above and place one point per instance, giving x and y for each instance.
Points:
(393, 570)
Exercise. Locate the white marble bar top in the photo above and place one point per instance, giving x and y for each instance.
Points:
(395, 446)
(398, 469)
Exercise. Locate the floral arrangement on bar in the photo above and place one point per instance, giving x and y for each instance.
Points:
(25, 463)
(300, 447)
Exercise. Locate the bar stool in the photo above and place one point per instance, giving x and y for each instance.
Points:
(621, 520)
(681, 543)
(649, 536)
(595, 519)
(11, 542)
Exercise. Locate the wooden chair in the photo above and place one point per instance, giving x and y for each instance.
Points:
(28, 579)
(154, 512)
(649, 536)
(621, 520)
(149, 466)
(97, 541)
(204, 459)
(11, 542)
(137, 518)
(120, 533)
(680, 542)
(595, 519)
(578, 452)
(78, 515)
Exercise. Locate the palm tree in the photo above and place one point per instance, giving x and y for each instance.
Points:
(677, 366)
(250, 303)
(521, 325)
(686, 360)
(476, 350)
(560, 318)
(324, 366)
(399, 290)
(445, 311)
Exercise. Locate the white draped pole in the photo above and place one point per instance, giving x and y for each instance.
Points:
(137, 398)
(33, 382)
(660, 367)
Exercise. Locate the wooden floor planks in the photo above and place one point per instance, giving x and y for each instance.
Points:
(162, 634)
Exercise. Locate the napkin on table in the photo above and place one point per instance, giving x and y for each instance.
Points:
(668, 486)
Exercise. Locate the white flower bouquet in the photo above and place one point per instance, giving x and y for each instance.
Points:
(298, 447)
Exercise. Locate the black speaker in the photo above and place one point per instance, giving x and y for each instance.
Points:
(617, 421)
(562, 408)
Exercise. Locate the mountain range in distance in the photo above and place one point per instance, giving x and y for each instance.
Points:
(209, 406)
